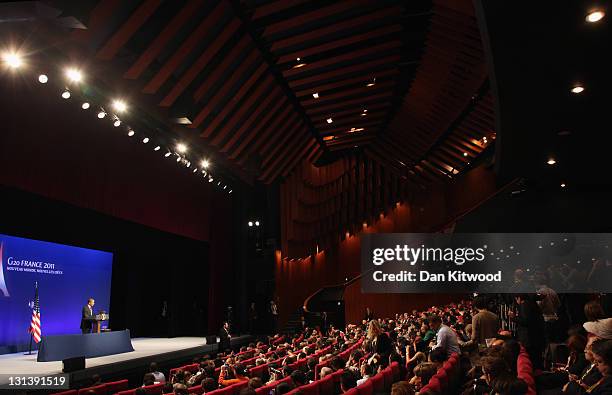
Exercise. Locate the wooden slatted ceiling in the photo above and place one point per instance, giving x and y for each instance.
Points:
(202, 62)
(344, 45)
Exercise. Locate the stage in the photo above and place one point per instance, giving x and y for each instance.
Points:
(167, 352)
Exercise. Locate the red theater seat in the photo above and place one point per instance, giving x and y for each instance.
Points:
(326, 385)
(195, 390)
(352, 391)
(388, 377)
(116, 386)
(378, 381)
(396, 371)
(155, 389)
(310, 389)
(435, 385)
(367, 388)
(98, 390)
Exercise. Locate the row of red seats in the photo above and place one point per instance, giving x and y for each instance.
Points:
(380, 383)
(344, 355)
(524, 369)
(102, 389)
(446, 378)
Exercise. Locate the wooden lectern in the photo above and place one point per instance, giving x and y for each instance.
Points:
(98, 318)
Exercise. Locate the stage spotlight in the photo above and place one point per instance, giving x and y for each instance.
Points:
(74, 75)
(205, 163)
(167, 154)
(145, 140)
(101, 114)
(85, 106)
(119, 106)
(256, 223)
(12, 60)
(182, 148)
(157, 148)
(43, 79)
(66, 94)
(131, 133)
(250, 223)
(117, 123)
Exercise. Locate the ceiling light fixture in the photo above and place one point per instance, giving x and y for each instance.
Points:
(101, 114)
(372, 83)
(119, 105)
(85, 106)
(551, 161)
(465, 154)
(299, 63)
(43, 78)
(167, 154)
(577, 89)
(66, 94)
(145, 140)
(563, 185)
(182, 148)
(12, 60)
(117, 122)
(329, 120)
(74, 75)
(157, 148)
(315, 95)
(204, 163)
(595, 16)
(131, 133)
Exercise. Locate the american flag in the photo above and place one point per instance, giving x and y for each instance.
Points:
(35, 322)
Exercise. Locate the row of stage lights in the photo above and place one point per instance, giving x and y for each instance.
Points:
(13, 60)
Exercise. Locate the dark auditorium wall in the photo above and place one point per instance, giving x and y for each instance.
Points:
(432, 210)
(51, 148)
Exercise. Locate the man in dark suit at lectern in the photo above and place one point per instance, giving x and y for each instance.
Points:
(87, 316)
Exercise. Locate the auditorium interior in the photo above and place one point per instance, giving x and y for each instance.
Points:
(198, 184)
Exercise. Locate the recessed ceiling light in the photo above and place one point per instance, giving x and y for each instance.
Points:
(372, 83)
(329, 120)
(551, 161)
(119, 105)
(12, 60)
(157, 148)
(465, 154)
(563, 185)
(43, 79)
(182, 148)
(595, 16)
(167, 154)
(117, 123)
(101, 114)
(577, 89)
(131, 133)
(66, 94)
(85, 106)
(145, 140)
(204, 163)
(315, 95)
(74, 75)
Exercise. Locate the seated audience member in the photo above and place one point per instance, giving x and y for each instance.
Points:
(255, 383)
(180, 389)
(366, 372)
(325, 371)
(593, 311)
(347, 381)
(576, 363)
(446, 339)
(422, 373)
(485, 324)
(209, 384)
(402, 388)
(282, 388)
(437, 356)
(140, 391)
(312, 364)
(159, 376)
(247, 391)
(148, 379)
(494, 368)
(236, 371)
(508, 385)
(167, 388)
(298, 377)
(602, 354)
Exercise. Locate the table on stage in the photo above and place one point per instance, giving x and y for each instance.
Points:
(90, 345)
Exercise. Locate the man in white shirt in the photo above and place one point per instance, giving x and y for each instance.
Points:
(446, 338)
